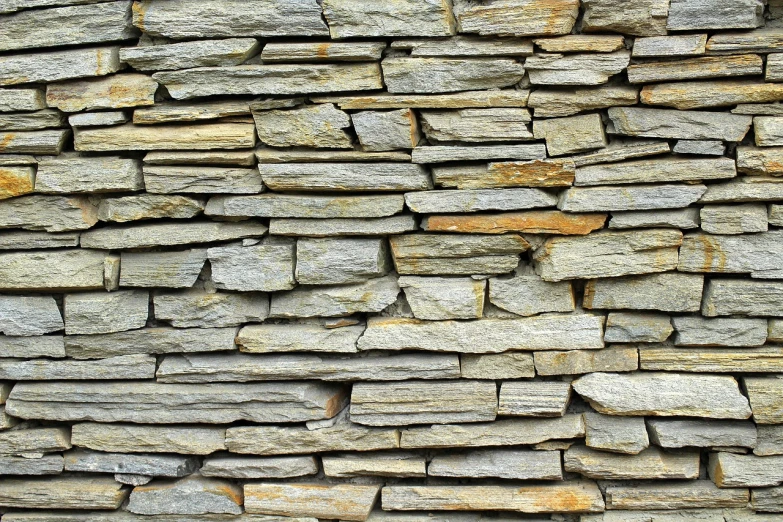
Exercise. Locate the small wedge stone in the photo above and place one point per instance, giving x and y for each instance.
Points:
(764, 394)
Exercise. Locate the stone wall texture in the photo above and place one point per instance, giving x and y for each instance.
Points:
(391, 260)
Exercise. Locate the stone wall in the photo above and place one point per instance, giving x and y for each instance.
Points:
(391, 260)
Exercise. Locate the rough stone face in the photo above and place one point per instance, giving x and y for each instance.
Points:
(617, 434)
(644, 18)
(344, 501)
(476, 125)
(303, 206)
(148, 206)
(734, 219)
(527, 294)
(439, 201)
(69, 174)
(555, 102)
(65, 492)
(637, 327)
(258, 467)
(685, 125)
(545, 332)
(531, 222)
(47, 118)
(465, 46)
(202, 180)
(308, 126)
(743, 190)
(679, 45)
(510, 365)
(769, 131)
(676, 496)
(506, 464)
(575, 69)
(517, 17)
(145, 236)
(185, 55)
(336, 301)
(741, 471)
(534, 399)
(575, 362)
(651, 463)
(125, 438)
(199, 309)
(608, 254)
(570, 135)
(22, 99)
(673, 433)
(696, 68)
(434, 75)
(68, 269)
(635, 197)
(101, 312)
(298, 337)
(764, 394)
(536, 173)
(150, 465)
(757, 254)
(656, 171)
(461, 100)
(389, 130)
(46, 465)
(36, 440)
(124, 367)
(109, 92)
(338, 177)
(254, 268)
(715, 14)
(340, 261)
(760, 161)
(342, 227)
(697, 95)
(52, 66)
(16, 181)
(150, 341)
(173, 112)
(769, 440)
(97, 119)
(191, 495)
(162, 269)
(29, 315)
(165, 137)
(34, 142)
(49, 213)
(647, 394)
(443, 153)
(23, 240)
(698, 331)
(377, 18)
(438, 298)
(375, 464)
(581, 43)
(699, 147)
(320, 51)
(32, 346)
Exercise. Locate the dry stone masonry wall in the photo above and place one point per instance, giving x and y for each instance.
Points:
(391, 260)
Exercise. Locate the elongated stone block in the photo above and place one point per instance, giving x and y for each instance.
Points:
(150, 465)
(675, 433)
(201, 180)
(518, 18)
(378, 18)
(108, 92)
(63, 270)
(193, 495)
(715, 14)
(68, 174)
(46, 465)
(185, 55)
(298, 337)
(65, 492)
(375, 464)
(165, 137)
(101, 312)
(651, 463)
(22, 99)
(254, 268)
(322, 51)
(574, 362)
(734, 219)
(534, 399)
(696, 68)
(338, 177)
(476, 125)
(52, 66)
(742, 297)
(148, 206)
(32, 346)
(634, 197)
(581, 43)
(679, 45)
(437, 298)
(160, 234)
(757, 254)
(50, 142)
(656, 171)
(258, 467)
(49, 213)
(199, 309)
(443, 153)
(36, 440)
(121, 367)
(575, 69)
(686, 125)
(29, 315)
(555, 102)
(626, 435)
(741, 471)
(131, 438)
(643, 18)
(389, 130)
(173, 112)
(715, 93)
(422, 246)
(627, 327)
(668, 292)
(766, 161)
(504, 463)
(336, 301)
(698, 331)
(531, 222)
(162, 269)
(305, 206)
(536, 173)
(674, 496)
(434, 75)
(343, 501)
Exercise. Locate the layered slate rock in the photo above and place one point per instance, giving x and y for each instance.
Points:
(648, 464)
(63, 492)
(348, 501)
(191, 495)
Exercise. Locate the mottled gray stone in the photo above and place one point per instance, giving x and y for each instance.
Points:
(744, 189)
(477, 125)
(253, 268)
(615, 434)
(386, 464)
(690, 15)
(171, 112)
(66, 492)
(555, 102)
(305, 206)
(619, 150)
(437, 298)
(525, 293)
(642, 18)
(246, 367)
(179, 19)
(28, 121)
(258, 467)
(628, 327)
(570, 43)
(465, 46)
(132, 438)
(629, 197)
(460, 100)
(340, 260)
(34, 346)
(148, 206)
(335, 301)
(165, 137)
(441, 201)
(775, 330)
(201, 180)
(545, 332)
(29, 315)
(757, 254)
(184, 55)
(608, 254)
(766, 161)
(150, 465)
(421, 402)
(647, 393)
(576, 362)
(150, 341)
(387, 130)
(684, 125)
(102, 312)
(742, 297)
(49, 213)
(162, 269)
(502, 463)
(298, 337)
(34, 440)
(572, 134)
(23, 240)
(97, 119)
(339, 177)
(63, 270)
(422, 246)
(699, 147)
(575, 69)
(651, 463)
(656, 171)
(191, 495)
(497, 366)
(405, 74)
(122, 367)
(534, 399)
(674, 433)
(46, 465)
(307, 126)
(445, 153)
(160, 234)
(50, 142)
(728, 470)
(679, 45)
(22, 99)
(322, 51)
(276, 79)
(52, 66)
(668, 292)
(675, 497)
(109, 92)
(768, 130)
(696, 68)
(156, 403)
(769, 440)
(764, 394)
(378, 18)
(698, 331)
(518, 18)
(199, 309)
(774, 71)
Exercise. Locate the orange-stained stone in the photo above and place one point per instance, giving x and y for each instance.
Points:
(694, 95)
(15, 181)
(536, 173)
(331, 501)
(534, 222)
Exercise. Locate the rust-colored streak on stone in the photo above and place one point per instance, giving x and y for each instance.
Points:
(537, 173)
(537, 222)
(15, 182)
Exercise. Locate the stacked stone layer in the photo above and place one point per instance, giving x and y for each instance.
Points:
(397, 261)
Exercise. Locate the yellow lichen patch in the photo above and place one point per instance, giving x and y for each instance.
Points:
(534, 222)
(15, 181)
(538, 173)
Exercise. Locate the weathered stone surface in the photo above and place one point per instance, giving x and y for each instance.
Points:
(648, 394)
(336, 301)
(775, 331)
(581, 43)
(22, 99)
(645, 18)
(769, 131)
(150, 465)
(436, 201)
(46, 465)
(340, 260)
(769, 440)
(575, 69)
(728, 470)
(434, 75)
(538, 173)
(308, 126)
(23, 240)
(517, 18)
(16, 181)
(616, 434)
(49, 142)
(305, 206)
(277, 79)
(32, 346)
(685, 125)
(148, 206)
(422, 246)
(184, 55)
(656, 171)
(36, 440)
(258, 467)
(158, 234)
(322, 51)
(97, 119)
(497, 366)
(444, 153)
(154, 403)
(715, 14)
(29, 315)
(757, 254)
(549, 103)
(254, 268)
(765, 359)
(420, 402)
(101, 312)
(766, 500)
(131, 438)
(109, 92)
(700, 147)
(696, 68)
(165, 137)
(376, 18)
(761, 40)
(375, 464)
(674, 496)
(201, 180)
(651, 463)
(608, 254)
(698, 331)
(150, 341)
(476, 125)
(172, 112)
(532, 222)
(124, 367)
(28, 121)
(438, 298)
(760, 161)
(338, 177)
(343, 501)
(745, 189)
(742, 297)
(674, 433)
(460, 100)
(199, 309)
(534, 399)
(389, 130)
(574, 496)
(503, 463)
(570, 135)
(576, 362)
(764, 394)
(696, 95)
(65, 492)
(637, 327)
(679, 45)
(298, 337)
(465, 46)
(49, 213)
(619, 150)
(478, 265)
(53, 66)
(545, 332)
(191, 495)
(527, 294)
(68, 269)
(162, 269)
(70, 173)
(302, 155)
